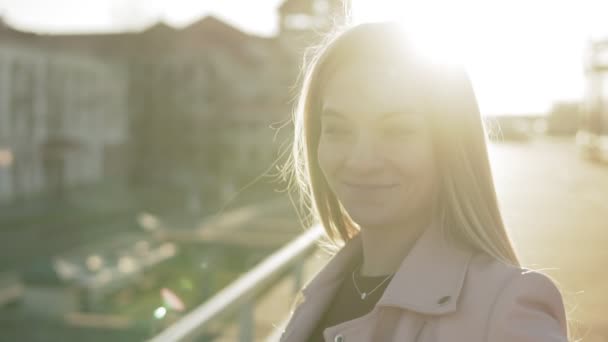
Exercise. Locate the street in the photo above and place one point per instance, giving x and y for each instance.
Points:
(555, 206)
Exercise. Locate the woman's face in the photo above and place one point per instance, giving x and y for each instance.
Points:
(375, 148)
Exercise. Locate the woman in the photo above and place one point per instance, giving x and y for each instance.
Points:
(391, 149)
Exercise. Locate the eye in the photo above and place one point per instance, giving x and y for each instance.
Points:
(397, 131)
(335, 130)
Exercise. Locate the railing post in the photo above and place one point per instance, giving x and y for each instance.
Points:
(246, 322)
(297, 276)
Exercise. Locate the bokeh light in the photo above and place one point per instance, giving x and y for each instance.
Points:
(160, 312)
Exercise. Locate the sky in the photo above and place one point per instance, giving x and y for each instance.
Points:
(522, 55)
(114, 15)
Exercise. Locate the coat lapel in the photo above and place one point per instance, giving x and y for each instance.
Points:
(430, 278)
(428, 281)
(320, 291)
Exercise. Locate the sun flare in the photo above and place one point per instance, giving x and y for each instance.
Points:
(520, 56)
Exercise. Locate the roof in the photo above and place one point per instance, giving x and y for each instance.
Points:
(310, 6)
(296, 6)
(156, 40)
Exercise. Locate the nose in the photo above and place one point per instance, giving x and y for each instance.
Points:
(364, 155)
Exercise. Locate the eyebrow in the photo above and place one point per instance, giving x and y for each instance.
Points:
(328, 112)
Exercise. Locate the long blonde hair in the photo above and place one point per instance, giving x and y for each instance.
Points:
(467, 198)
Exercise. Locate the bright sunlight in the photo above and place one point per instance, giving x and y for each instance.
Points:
(522, 56)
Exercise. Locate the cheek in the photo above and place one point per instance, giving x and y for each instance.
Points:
(415, 161)
(426, 171)
(328, 158)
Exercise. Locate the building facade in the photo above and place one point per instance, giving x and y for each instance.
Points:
(62, 119)
(191, 106)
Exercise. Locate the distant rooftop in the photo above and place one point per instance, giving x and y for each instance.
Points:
(157, 39)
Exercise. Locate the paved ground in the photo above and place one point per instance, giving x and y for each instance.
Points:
(555, 205)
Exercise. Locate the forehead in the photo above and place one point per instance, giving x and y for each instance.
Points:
(367, 90)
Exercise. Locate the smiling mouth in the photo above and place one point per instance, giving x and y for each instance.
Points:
(369, 185)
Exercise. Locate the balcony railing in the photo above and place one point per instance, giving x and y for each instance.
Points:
(240, 296)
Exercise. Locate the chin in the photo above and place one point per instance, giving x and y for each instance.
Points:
(386, 216)
(369, 220)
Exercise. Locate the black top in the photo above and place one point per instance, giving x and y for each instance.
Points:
(347, 304)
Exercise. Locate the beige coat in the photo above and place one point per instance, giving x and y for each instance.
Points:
(440, 293)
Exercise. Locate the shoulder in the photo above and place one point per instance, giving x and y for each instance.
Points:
(523, 305)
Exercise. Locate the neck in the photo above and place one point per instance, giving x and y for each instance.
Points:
(384, 248)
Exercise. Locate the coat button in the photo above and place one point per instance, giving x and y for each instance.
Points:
(339, 338)
(443, 300)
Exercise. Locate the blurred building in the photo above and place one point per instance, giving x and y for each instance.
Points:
(301, 22)
(192, 106)
(593, 131)
(564, 118)
(63, 119)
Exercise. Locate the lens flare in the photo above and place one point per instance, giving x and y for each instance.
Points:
(160, 312)
(171, 300)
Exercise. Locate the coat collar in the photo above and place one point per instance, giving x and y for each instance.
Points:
(428, 281)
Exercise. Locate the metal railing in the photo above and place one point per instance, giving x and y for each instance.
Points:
(240, 296)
